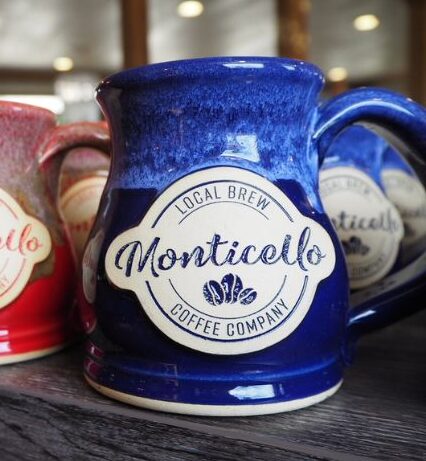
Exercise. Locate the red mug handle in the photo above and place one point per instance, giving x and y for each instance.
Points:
(53, 152)
(65, 137)
(56, 146)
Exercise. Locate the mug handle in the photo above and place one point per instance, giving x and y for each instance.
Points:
(62, 139)
(403, 123)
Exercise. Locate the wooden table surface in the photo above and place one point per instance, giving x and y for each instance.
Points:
(47, 412)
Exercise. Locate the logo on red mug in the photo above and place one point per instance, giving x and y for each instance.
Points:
(24, 242)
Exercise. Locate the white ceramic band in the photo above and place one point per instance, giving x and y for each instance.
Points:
(15, 358)
(213, 410)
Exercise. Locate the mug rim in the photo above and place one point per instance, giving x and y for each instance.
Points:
(218, 66)
(26, 109)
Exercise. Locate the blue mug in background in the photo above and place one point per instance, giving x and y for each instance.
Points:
(376, 203)
(214, 280)
(367, 222)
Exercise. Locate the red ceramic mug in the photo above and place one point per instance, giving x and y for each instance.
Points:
(37, 269)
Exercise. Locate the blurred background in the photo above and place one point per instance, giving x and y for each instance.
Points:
(53, 52)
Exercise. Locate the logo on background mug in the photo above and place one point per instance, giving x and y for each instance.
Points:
(223, 262)
(408, 195)
(79, 205)
(368, 225)
(24, 242)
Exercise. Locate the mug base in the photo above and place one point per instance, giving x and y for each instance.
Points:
(25, 356)
(213, 410)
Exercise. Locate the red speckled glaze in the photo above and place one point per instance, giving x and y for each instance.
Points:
(37, 269)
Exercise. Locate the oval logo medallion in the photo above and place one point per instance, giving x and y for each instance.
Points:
(24, 242)
(79, 205)
(368, 224)
(223, 262)
(409, 196)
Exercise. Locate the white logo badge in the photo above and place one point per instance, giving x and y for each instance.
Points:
(367, 223)
(79, 205)
(24, 241)
(408, 195)
(223, 262)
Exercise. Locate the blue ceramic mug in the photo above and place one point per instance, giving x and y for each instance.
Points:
(213, 279)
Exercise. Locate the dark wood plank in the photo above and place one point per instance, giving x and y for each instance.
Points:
(48, 412)
(134, 24)
(417, 50)
(293, 28)
(33, 430)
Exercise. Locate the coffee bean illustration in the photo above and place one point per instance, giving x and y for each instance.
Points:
(232, 286)
(247, 296)
(213, 293)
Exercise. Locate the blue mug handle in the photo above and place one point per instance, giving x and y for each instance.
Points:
(403, 123)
